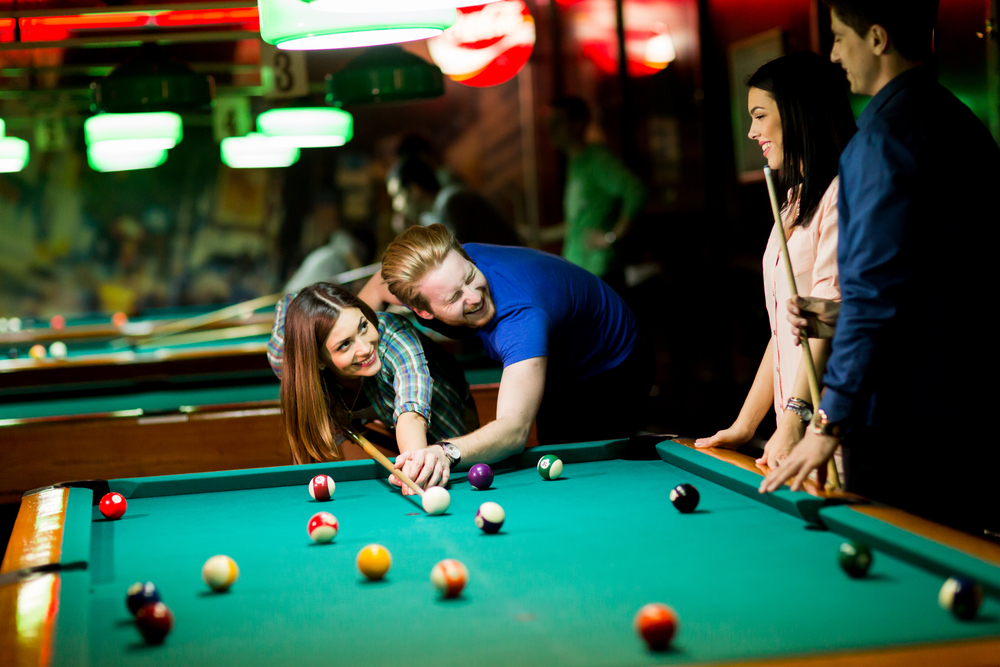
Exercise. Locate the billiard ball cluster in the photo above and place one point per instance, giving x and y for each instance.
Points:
(153, 618)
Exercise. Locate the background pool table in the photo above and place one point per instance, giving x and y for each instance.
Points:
(752, 578)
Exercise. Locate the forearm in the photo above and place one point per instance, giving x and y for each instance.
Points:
(411, 432)
(622, 226)
(376, 294)
(552, 233)
(493, 442)
(761, 396)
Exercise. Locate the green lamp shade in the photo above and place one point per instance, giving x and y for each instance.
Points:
(385, 74)
(295, 25)
(307, 128)
(133, 132)
(256, 151)
(13, 154)
(116, 160)
(151, 81)
(347, 6)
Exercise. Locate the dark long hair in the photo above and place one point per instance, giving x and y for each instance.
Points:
(310, 400)
(816, 124)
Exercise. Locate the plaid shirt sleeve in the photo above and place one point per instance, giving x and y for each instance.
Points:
(412, 381)
(276, 346)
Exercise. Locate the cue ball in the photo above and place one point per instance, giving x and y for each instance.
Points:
(685, 498)
(449, 577)
(14, 324)
(323, 527)
(113, 505)
(374, 561)
(481, 476)
(855, 559)
(656, 623)
(436, 500)
(489, 517)
(58, 350)
(321, 487)
(961, 597)
(220, 572)
(37, 352)
(154, 622)
(139, 595)
(58, 322)
(550, 466)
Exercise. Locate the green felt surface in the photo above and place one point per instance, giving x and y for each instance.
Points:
(577, 557)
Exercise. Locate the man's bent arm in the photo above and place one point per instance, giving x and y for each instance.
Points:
(376, 294)
(521, 388)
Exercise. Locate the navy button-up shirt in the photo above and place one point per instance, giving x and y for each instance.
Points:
(917, 208)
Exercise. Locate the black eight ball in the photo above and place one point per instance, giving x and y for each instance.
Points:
(685, 498)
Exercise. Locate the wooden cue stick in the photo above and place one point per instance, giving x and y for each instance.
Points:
(380, 457)
(806, 352)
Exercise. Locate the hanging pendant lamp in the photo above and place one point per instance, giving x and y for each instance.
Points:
(349, 6)
(309, 127)
(256, 151)
(296, 25)
(117, 160)
(151, 81)
(133, 132)
(14, 154)
(384, 74)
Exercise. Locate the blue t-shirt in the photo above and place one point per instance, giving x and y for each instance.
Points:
(548, 307)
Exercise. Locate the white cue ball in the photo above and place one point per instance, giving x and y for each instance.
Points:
(436, 500)
(14, 324)
(58, 350)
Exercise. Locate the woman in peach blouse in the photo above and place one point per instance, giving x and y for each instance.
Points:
(802, 121)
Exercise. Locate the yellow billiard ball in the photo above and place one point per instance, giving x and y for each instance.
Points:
(37, 352)
(374, 561)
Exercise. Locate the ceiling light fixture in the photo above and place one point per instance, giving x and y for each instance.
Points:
(256, 151)
(310, 127)
(296, 25)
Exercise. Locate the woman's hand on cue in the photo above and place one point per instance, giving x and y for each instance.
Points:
(728, 438)
(790, 430)
(427, 467)
(815, 317)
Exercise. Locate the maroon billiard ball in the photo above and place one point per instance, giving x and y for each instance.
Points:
(154, 622)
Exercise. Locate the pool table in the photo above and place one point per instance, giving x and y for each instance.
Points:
(175, 428)
(754, 579)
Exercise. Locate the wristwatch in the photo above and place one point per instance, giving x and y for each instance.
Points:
(803, 409)
(823, 426)
(451, 452)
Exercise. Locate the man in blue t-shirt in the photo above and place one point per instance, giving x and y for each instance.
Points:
(568, 343)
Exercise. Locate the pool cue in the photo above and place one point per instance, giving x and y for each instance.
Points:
(373, 452)
(832, 475)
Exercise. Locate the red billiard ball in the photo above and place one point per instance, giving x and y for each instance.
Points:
(321, 487)
(57, 322)
(656, 623)
(113, 505)
(154, 622)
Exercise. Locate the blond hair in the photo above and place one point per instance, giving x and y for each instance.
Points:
(408, 259)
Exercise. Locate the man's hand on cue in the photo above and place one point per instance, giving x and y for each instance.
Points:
(812, 453)
(815, 317)
(426, 467)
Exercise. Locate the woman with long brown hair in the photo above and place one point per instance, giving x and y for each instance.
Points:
(338, 361)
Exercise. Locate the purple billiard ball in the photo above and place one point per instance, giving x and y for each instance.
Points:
(481, 476)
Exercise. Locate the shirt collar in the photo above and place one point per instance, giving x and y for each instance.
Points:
(913, 76)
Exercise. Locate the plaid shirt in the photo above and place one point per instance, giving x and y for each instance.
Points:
(407, 382)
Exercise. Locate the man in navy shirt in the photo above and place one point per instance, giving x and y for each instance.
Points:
(567, 342)
(917, 222)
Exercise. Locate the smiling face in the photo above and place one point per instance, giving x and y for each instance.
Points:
(765, 125)
(458, 293)
(351, 349)
(857, 55)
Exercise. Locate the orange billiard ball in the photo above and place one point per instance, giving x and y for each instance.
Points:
(57, 322)
(119, 319)
(374, 561)
(656, 623)
(38, 352)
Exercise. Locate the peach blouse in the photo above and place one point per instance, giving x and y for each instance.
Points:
(813, 251)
